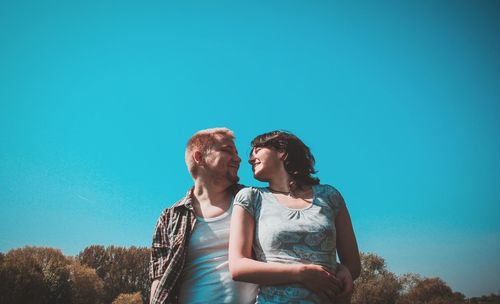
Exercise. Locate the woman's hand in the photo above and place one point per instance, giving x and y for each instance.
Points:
(344, 276)
(320, 281)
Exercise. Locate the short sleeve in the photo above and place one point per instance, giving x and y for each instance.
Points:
(334, 198)
(247, 199)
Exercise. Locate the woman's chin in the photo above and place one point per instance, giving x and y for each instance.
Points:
(260, 178)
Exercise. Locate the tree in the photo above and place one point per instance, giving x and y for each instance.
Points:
(95, 256)
(86, 286)
(34, 275)
(490, 299)
(418, 290)
(434, 291)
(129, 298)
(375, 284)
(122, 270)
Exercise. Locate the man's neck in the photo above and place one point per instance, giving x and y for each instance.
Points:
(210, 200)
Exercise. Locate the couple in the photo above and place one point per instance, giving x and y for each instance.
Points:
(221, 239)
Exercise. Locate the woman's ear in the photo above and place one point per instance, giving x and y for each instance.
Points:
(282, 155)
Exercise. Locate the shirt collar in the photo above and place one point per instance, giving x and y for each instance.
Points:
(187, 200)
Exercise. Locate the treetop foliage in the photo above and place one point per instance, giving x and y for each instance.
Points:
(97, 275)
(113, 274)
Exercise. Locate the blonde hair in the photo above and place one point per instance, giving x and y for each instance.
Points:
(203, 141)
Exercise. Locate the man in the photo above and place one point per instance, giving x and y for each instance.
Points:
(189, 259)
(189, 262)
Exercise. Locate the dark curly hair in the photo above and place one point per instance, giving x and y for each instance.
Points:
(299, 162)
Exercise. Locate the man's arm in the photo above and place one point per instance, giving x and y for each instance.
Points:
(244, 268)
(159, 256)
(154, 286)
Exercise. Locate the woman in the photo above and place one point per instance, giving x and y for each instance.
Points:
(294, 223)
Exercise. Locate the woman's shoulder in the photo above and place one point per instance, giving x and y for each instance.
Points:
(249, 192)
(330, 194)
(326, 189)
(250, 199)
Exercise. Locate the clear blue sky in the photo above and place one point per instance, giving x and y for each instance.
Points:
(399, 102)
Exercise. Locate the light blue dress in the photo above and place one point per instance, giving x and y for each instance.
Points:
(292, 236)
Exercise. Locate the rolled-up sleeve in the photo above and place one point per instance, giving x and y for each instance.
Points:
(160, 249)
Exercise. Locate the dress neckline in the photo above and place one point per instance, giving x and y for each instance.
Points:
(275, 200)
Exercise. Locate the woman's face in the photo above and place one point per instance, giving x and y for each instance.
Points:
(265, 162)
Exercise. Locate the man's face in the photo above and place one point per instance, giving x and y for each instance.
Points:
(222, 161)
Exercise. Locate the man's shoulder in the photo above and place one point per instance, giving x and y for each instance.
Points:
(236, 188)
(177, 205)
(186, 200)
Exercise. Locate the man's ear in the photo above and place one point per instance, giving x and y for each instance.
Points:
(197, 157)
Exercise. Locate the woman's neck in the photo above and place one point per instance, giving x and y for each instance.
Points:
(280, 182)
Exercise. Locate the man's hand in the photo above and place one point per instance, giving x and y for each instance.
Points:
(344, 276)
(320, 281)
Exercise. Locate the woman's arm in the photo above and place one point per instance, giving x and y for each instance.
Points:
(244, 268)
(344, 276)
(347, 247)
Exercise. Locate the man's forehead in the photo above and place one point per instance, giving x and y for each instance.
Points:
(224, 141)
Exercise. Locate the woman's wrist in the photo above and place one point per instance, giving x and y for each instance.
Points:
(300, 271)
(307, 271)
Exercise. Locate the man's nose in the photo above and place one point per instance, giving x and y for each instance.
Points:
(237, 158)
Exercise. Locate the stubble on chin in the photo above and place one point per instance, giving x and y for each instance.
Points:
(227, 178)
(234, 179)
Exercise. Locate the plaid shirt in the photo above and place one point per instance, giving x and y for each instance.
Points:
(169, 249)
